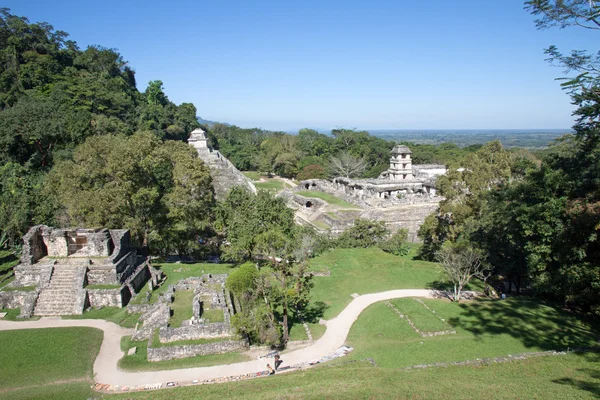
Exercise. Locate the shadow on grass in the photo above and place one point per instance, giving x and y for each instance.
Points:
(438, 285)
(587, 386)
(533, 323)
(313, 313)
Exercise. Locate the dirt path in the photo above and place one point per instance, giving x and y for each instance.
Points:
(105, 366)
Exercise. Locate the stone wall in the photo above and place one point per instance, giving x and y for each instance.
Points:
(173, 352)
(33, 245)
(193, 332)
(33, 275)
(99, 298)
(139, 277)
(101, 275)
(121, 239)
(157, 316)
(25, 301)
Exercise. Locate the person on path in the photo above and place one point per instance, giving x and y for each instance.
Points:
(271, 370)
(277, 361)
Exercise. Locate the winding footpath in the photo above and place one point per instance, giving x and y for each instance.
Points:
(105, 366)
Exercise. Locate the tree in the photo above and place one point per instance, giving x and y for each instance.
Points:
(312, 172)
(461, 263)
(565, 13)
(464, 189)
(364, 233)
(243, 217)
(139, 183)
(396, 244)
(346, 165)
(155, 95)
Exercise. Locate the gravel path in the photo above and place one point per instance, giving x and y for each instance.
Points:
(105, 366)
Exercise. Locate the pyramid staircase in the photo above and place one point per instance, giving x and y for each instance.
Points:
(63, 294)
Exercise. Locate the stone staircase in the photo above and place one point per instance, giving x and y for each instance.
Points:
(62, 296)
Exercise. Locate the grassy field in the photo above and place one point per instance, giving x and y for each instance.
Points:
(213, 315)
(37, 357)
(181, 307)
(486, 328)
(254, 175)
(360, 271)
(564, 377)
(423, 319)
(271, 184)
(336, 201)
(365, 271)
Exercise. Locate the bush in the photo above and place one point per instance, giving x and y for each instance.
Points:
(312, 171)
(396, 244)
(365, 233)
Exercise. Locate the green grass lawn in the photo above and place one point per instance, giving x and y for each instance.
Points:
(35, 357)
(328, 198)
(119, 316)
(12, 313)
(19, 289)
(139, 360)
(423, 319)
(126, 342)
(254, 175)
(365, 271)
(271, 184)
(485, 328)
(564, 377)
(361, 271)
(321, 225)
(213, 315)
(181, 308)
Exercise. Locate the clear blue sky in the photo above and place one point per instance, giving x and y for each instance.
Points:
(286, 64)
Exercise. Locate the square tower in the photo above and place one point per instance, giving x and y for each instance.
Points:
(400, 164)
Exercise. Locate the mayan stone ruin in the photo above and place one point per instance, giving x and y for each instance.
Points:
(209, 296)
(402, 196)
(66, 271)
(225, 175)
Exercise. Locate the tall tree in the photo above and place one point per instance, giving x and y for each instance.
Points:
(136, 183)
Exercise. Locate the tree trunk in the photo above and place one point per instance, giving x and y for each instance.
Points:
(286, 334)
(455, 292)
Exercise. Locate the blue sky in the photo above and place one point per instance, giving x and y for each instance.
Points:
(287, 64)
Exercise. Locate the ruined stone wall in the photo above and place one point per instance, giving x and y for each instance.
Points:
(25, 301)
(99, 244)
(56, 242)
(193, 332)
(33, 275)
(139, 277)
(99, 298)
(174, 352)
(410, 217)
(102, 275)
(121, 239)
(33, 245)
(156, 316)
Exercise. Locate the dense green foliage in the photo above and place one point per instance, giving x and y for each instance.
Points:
(53, 96)
(311, 155)
(538, 224)
(161, 191)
